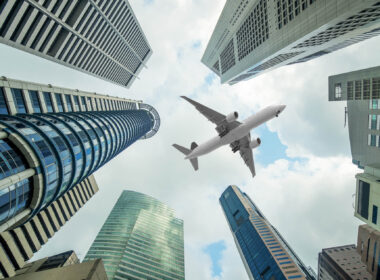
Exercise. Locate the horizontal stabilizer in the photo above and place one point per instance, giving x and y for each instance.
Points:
(194, 163)
(186, 151)
(182, 149)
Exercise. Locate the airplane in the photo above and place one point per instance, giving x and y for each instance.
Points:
(231, 132)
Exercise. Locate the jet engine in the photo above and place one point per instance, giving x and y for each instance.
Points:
(232, 117)
(255, 143)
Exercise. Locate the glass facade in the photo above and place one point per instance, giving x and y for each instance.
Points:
(265, 253)
(141, 239)
(16, 197)
(69, 147)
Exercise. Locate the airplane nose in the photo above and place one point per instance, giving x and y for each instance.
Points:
(282, 107)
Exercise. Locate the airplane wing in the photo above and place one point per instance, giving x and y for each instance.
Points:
(246, 153)
(222, 126)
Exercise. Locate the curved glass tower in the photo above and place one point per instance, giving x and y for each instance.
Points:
(44, 155)
(141, 239)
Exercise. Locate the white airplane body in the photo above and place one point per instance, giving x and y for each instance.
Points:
(231, 132)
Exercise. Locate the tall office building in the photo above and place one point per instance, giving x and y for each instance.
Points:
(342, 262)
(265, 253)
(51, 141)
(141, 239)
(101, 38)
(255, 36)
(361, 89)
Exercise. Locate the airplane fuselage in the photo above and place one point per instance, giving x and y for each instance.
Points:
(237, 133)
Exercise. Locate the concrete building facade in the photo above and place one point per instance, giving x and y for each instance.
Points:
(256, 36)
(101, 38)
(141, 239)
(264, 252)
(369, 249)
(92, 270)
(341, 263)
(59, 260)
(361, 90)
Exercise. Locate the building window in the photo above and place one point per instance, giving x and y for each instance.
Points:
(48, 102)
(350, 90)
(68, 102)
(58, 98)
(363, 199)
(374, 104)
(90, 104)
(366, 89)
(372, 140)
(35, 101)
(84, 104)
(374, 214)
(19, 100)
(375, 88)
(358, 90)
(373, 122)
(3, 103)
(76, 103)
(338, 91)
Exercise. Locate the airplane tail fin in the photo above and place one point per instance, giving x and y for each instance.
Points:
(186, 151)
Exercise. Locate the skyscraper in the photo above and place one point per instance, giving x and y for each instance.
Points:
(252, 37)
(141, 239)
(361, 89)
(51, 141)
(101, 38)
(265, 253)
(47, 154)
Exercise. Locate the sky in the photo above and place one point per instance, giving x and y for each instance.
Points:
(305, 179)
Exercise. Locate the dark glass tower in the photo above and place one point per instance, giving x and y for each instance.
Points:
(265, 254)
(44, 155)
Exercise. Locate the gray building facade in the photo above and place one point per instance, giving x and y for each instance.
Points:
(252, 37)
(101, 38)
(361, 90)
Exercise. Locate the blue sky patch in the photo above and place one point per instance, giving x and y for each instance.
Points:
(215, 250)
(271, 148)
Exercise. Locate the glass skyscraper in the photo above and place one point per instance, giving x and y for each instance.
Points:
(265, 253)
(141, 239)
(43, 155)
(51, 142)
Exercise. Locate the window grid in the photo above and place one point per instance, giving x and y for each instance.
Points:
(227, 57)
(287, 10)
(254, 31)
